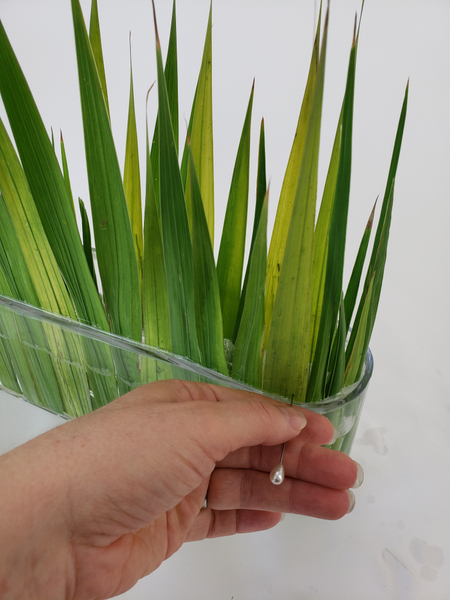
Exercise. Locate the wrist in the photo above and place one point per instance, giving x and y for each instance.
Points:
(32, 563)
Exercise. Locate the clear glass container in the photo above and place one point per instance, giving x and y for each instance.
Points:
(71, 368)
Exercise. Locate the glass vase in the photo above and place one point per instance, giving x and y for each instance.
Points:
(70, 368)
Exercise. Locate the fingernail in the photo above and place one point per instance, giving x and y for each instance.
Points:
(352, 500)
(334, 438)
(359, 476)
(283, 515)
(297, 419)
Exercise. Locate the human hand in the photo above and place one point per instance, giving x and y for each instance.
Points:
(99, 502)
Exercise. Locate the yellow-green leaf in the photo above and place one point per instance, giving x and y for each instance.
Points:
(289, 187)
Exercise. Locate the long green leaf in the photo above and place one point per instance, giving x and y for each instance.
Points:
(54, 356)
(66, 172)
(34, 378)
(175, 230)
(47, 186)
(87, 242)
(9, 378)
(96, 44)
(201, 134)
(113, 236)
(289, 340)
(289, 187)
(171, 76)
(155, 305)
(321, 235)
(54, 206)
(359, 347)
(156, 316)
(355, 278)
(336, 366)
(336, 245)
(261, 190)
(382, 233)
(208, 314)
(362, 331)
(232, 244)
(132, 177)
(248, 351)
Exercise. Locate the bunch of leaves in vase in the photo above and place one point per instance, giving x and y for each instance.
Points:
(281, 326)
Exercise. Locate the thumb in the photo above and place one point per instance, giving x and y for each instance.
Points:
(238, 419)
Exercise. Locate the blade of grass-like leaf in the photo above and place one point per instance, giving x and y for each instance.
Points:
(114, 243)
(201, 135)
(155, 306)
(336, 367)
(171, 75)
(8, 379)
(175, 230)
(156, 302)
(336, 245)
(359, 348)
(321, 235)
(47, 186)
(132, 177)
(232, 244)
(54, 357)
(113, 236)
(355, 278)
(248, 351)
(364, 326)
(96, 44)
(66, 172)
(16, 374)
(289, 187)
(288, 350)
(35, 278)
(87, 242)
(261, 190)
(384, 218)
(42, 282)
(208, 314)
(50, 197)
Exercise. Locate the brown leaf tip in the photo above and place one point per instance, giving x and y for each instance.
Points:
(158, 44)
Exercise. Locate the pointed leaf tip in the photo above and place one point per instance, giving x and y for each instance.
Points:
(158, 44)
(372, 216)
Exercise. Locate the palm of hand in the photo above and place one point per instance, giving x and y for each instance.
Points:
(106, 571)
(123, 488)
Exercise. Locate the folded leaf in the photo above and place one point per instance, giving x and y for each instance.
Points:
(289, 187)
(201, 135)
(355, 278)
(248, 351)
(175, 230)
(96, 44)
(378, 257)
(288, 349)
(336, 245)
(171, 76)
(208, 314)
(261, 190)
(132, 178)
(113, 236)
(232, 245)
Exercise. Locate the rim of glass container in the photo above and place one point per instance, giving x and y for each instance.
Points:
(27, 310)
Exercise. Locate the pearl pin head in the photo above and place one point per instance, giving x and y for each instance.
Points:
(277, 474)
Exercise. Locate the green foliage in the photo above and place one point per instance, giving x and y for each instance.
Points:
(283, 327)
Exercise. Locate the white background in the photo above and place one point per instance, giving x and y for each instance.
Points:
(396, 543)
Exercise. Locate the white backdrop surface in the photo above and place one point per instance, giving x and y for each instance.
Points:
(396, 543)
